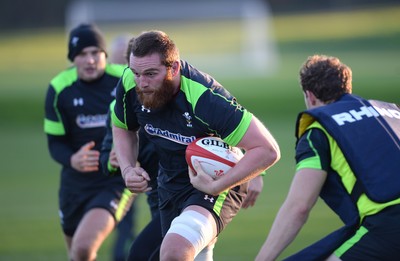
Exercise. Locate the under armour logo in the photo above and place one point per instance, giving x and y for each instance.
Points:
(114, 92)
(74, 41)
(207, 197)
(78, 102)
(113, 204)
(145, 109)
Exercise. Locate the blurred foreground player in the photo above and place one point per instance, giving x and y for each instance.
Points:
(348, 153)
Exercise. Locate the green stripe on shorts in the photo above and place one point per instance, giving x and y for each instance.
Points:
(349, 243)
(220, 201)
(125, 199)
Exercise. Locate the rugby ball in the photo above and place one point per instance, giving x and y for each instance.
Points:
(214, 155)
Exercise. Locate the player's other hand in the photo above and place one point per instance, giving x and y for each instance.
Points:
(255, 187)
(113, 159)
(200, 180)
(86, 159)
(136, 179)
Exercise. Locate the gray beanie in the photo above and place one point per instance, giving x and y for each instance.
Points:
(83, 36)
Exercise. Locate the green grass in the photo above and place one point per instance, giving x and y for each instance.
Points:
(367, 40)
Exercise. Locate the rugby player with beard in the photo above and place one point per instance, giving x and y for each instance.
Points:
(175, 103)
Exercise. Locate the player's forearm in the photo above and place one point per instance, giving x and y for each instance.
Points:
(262, 152)
(60, 151)
(126, 147)
(247, 168)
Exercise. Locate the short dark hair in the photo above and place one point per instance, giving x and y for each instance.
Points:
(129, 49)
(326, 77)
(150, 42)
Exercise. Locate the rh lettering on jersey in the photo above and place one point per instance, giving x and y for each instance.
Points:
(364, 112)
(176, 137)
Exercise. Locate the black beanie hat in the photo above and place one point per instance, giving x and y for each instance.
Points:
(83, 36)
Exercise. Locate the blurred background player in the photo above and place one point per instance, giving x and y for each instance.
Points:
(76, 106)
(126, 229)
(146, 248)
(118, 49)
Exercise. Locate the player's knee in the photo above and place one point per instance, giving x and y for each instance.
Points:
(82, 252)
(206, 254)
(195, 228)
(174, 254)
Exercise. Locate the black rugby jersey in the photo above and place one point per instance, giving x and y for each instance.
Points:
(75, 113)
(201, 108)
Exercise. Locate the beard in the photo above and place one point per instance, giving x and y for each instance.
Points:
(159, 97)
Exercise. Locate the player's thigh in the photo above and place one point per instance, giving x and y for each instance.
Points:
(116, 199)
(94, 228)
(71, 210)
(223, 207)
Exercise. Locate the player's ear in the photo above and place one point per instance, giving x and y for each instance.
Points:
(176, 66)
(311, 97)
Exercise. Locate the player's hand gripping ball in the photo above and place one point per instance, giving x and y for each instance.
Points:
(214, 155)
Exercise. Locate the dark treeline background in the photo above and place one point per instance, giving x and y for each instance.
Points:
(22, 14)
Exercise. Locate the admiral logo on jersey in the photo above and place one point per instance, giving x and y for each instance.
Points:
(175, 137)
(91, 121)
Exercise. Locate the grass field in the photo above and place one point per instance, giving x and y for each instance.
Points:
(366, 40)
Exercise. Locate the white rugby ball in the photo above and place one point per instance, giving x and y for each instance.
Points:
(214, 155)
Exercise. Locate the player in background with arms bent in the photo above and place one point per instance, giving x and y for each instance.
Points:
(147, 244)
(76, 106)
(175, 103)
(145, 247)
(126, 228)
(348, 153)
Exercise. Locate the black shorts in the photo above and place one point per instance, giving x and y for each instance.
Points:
(223, 207)
(152, 201)
(376, 239)
(73, 206)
